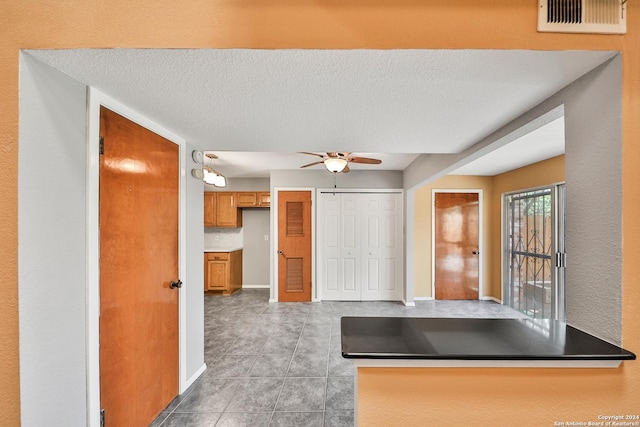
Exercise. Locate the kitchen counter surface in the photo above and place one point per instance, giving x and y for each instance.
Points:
(473, 340)
(231, 249)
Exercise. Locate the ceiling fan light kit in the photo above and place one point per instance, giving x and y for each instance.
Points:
(336, 162)
(335, 165)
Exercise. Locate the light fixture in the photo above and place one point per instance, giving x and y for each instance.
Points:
(335, 164)
(211, 176)
(214, 178)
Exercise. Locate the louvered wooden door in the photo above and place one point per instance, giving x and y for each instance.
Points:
(294, 246)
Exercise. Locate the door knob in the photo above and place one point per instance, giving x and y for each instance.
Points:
(175, 284)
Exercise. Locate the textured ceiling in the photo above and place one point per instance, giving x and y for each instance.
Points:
(543, 143)
(363, 101)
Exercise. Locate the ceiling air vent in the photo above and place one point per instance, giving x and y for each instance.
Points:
(582, 16)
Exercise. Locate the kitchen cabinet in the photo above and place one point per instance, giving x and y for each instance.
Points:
(264, 199)
(223, 272)
(227, 213)
(247, 199)
(209, 209)
(221, 210)
(253, 199)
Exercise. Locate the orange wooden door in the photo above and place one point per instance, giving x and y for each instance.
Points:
(457, 245)
(138, 260)
(294, 246)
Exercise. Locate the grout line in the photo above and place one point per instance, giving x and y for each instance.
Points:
(288, 368)
(326, 382)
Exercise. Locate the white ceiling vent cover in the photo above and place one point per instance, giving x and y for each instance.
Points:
(582, 16)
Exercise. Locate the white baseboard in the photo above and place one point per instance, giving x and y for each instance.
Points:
(273, 300)
(423, 298)
(256, 286)
(491, 299)
(408, 303)
(194, 377)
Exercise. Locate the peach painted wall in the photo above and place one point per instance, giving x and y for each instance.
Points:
(549, 171)
(493, 396)
(423, 224)
(352, 24)
(542, 173)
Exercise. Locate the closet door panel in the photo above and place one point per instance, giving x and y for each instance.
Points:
(383, 247)
(350, 217)
(330, 265)
(360, 246)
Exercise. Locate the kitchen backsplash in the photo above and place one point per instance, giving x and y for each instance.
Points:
(222, 238)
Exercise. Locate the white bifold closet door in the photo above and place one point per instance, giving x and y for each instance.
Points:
(360, 246)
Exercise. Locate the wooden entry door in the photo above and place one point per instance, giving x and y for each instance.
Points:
(138, 261)
(457, 224)
(294, 246)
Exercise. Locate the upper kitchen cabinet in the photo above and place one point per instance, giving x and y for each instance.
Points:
(221, 210)
(252, 199)
(209, 209)
(247, 199)
(264, 199)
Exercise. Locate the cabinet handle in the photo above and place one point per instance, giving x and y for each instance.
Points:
(282, 253)
(175, 284)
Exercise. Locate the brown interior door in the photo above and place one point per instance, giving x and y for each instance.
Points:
(457, 245)
(294, 246)
(138, 260)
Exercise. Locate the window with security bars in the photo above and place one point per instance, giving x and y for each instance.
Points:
(534, 283)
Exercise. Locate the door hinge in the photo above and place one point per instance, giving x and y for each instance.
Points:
(101, 417)
(101, 145)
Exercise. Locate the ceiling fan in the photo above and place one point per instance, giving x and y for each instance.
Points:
(338, 162)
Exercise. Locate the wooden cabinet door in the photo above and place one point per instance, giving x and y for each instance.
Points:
(218, 279)
(235, 271)
(246, 199)
(264, 199)
(209, 209)
(227, 213)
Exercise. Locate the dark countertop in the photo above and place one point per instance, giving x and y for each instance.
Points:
(471, 339)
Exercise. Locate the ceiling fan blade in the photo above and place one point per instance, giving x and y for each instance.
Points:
(312, 164)
(366, 160)
(346, 169)
(312, 154)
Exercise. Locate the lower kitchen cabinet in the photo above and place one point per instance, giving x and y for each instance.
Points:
(222, 272)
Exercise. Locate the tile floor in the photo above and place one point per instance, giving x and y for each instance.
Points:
(279, 364)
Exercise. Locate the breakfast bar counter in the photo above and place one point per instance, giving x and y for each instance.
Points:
(465, 342)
